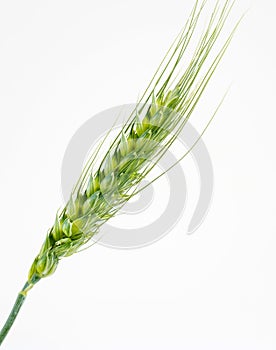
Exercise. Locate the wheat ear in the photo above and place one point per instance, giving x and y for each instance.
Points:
(154, 125)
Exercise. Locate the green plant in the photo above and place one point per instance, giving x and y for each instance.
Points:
(154, 125)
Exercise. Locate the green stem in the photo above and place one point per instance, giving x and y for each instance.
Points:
(14, 312)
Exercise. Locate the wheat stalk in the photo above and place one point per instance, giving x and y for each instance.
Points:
(154, 125)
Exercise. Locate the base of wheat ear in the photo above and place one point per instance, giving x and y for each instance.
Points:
(152, 127)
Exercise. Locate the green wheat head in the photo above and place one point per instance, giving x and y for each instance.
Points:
(107, 183)
(154, 125)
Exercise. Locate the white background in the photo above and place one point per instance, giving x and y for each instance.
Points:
(60, 63)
